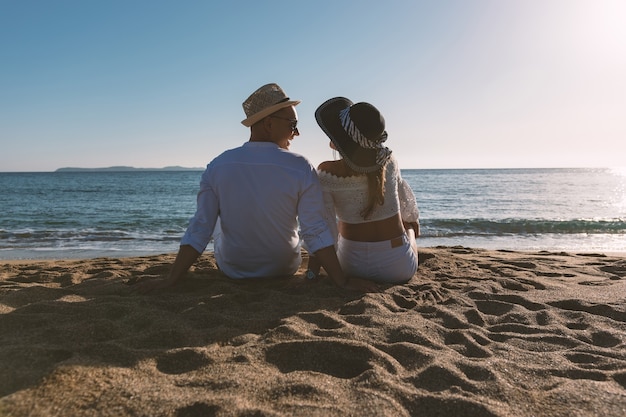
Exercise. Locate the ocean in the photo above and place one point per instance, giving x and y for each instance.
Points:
(70, 215)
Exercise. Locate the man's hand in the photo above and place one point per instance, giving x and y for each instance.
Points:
(184, 259)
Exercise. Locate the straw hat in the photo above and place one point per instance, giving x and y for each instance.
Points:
(357, 131)
(266, 100)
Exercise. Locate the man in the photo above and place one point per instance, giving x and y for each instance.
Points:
(252, 200)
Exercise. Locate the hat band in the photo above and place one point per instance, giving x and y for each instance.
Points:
(383, 154)
(353, 131)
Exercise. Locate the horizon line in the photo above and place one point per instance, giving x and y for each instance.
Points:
(173, 168)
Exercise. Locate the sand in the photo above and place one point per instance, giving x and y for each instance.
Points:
(474, 333)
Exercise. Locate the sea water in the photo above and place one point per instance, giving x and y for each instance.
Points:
(58, 215)
(579, 210)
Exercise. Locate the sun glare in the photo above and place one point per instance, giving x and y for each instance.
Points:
(602, 27)
(618, 171)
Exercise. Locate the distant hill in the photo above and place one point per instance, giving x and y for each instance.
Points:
(126, 169)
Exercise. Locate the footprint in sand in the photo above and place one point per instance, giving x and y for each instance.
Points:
(438, 406)
(437, 378)
(603, 310)
(322, 320)
(182, 361)
(589, 360)
(199, 409)
(338, 358)
(620, 378)
(618, 269)
(468, 344)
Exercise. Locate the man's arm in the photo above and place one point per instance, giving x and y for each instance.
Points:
(186, 256)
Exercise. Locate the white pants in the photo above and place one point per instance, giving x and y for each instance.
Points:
(393, 261)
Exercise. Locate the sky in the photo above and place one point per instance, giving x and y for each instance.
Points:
(461, 83)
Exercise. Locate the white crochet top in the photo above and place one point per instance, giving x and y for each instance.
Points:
(346, 197)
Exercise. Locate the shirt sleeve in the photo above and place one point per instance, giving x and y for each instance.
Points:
(408, 203)
(330, 215)
(202, 224)
(315, 230)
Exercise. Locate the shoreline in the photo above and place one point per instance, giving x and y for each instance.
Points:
(141, 254)
(475, 332)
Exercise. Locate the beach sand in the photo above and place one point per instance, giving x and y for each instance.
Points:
(474, 333)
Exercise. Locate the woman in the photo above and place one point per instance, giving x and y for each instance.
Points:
(371, 208)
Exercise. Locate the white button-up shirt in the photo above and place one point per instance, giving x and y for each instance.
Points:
(261, 194)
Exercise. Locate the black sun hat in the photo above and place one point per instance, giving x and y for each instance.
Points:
(357, 131)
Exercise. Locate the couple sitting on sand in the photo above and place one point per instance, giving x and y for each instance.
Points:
(255, 199)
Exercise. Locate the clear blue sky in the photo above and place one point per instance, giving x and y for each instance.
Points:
(461, 83)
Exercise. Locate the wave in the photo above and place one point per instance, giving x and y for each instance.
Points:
(502, 227)
(61, 237)
(511, 233)
(75, 243)
(478, 227)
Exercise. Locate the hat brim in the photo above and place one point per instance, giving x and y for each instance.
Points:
(356, 157)
(267, 111)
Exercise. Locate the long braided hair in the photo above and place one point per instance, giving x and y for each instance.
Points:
(375, 191)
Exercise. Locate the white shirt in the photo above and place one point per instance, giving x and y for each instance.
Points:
(260, 193)
(346, 197)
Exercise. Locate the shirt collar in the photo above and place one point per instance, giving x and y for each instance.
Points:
(261, 144)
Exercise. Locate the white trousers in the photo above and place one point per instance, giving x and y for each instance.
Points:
(392, 261)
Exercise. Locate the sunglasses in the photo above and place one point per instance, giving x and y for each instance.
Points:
(294, 122)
